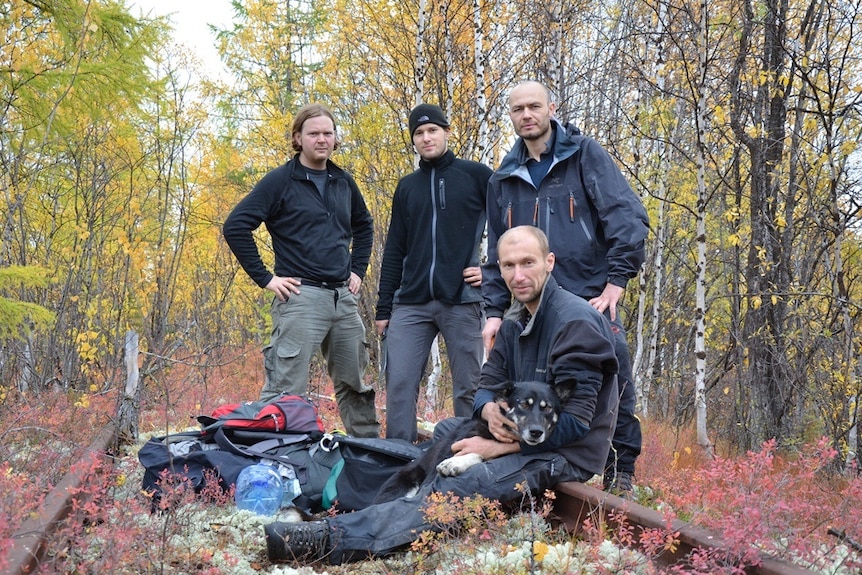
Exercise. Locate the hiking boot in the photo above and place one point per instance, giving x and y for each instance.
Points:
(305, 541)
(619, 483)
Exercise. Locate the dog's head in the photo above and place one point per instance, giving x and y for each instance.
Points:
(535, 407)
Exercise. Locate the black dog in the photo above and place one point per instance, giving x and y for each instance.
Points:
(534, 407)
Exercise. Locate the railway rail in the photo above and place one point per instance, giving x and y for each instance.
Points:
(574, 503)
(30, 541)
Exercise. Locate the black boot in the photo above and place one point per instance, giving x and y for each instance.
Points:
(305, 541)
(619, 483)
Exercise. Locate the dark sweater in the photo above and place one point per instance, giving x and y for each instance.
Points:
(311, 235)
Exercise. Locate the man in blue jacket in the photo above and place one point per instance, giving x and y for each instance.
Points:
(567, 185)
(312, 210)
(550, 335)
(430, 276)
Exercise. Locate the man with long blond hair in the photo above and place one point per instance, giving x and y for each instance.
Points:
(312, 210)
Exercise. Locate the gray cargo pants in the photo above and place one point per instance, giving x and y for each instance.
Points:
(327, 320)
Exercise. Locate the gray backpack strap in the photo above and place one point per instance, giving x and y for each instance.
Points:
(261, 449)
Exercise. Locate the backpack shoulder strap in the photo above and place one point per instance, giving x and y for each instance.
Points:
(261, 449)
(392, 447)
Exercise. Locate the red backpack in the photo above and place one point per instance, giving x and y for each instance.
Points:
(287, 414)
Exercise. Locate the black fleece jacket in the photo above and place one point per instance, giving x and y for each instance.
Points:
(438, 217)
(311, 235)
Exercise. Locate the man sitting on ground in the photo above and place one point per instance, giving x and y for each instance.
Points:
(548, 335)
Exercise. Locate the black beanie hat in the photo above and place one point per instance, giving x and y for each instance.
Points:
(426, 114)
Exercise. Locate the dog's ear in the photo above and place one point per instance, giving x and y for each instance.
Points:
(509, 386)
(565, 389)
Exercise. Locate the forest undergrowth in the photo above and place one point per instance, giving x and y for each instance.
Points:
(776, 500)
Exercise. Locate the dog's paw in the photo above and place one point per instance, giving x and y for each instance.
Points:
(294, 514)
(458, 464)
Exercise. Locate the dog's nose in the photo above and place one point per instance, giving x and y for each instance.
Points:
(536, 434)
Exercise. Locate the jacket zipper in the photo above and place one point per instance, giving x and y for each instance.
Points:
(572, 211)
(433, 233)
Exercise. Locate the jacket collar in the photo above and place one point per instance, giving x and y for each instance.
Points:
(564, 145)
(518, 312)
(297, 170)
(437, 163)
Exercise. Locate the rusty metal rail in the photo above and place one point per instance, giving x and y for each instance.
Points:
(576, 502)
(29, 542)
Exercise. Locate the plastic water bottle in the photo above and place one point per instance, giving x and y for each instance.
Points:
(259, 488)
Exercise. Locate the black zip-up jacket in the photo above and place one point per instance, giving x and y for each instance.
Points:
(566, 341)
(311, 235)
(438, 217)
(596, 225)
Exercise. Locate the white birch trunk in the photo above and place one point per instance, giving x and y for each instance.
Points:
(483, 143)
(643, 385)
(25, 382)
(555, 66)
(848, 360)
(700, 286)
(853, 434)
(129, 413)
(450, 62)
(421, 61)
(653, 57)
(641, 394)
(431, 386)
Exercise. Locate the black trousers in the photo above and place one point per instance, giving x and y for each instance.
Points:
(626, 444)
(386, 527)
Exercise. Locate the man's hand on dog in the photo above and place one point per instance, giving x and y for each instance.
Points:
(505, 441)
(485, 448)
(501, 427)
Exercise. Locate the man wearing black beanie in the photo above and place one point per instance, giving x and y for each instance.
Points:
(430, 276)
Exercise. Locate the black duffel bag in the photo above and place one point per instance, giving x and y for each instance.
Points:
(366, 464)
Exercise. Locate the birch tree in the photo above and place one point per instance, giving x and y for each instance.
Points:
(483, 144)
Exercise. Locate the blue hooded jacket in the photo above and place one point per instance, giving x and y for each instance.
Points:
(596, 225)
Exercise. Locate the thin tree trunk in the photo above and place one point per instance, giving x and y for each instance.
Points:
(128, 413)
(450, 64)
(644, 384)
(701, 213)
(483, 144)
(433, 378)
(555, 66)
(421, 59)
(25, 382)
